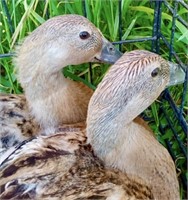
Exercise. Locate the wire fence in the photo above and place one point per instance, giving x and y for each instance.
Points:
(156, 39)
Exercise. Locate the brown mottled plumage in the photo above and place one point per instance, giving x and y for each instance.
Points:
(62, 167)
(50, 99)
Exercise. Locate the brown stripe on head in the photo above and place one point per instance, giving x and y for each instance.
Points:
(130, 81)
(129, 67)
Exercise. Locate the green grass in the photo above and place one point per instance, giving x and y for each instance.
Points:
(137, 22)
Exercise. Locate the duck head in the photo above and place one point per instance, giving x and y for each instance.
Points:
(132, 84)
(61, 41)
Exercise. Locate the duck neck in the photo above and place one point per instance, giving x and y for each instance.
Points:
(55, 100)
(44, 94)
(112, 109)
(109, 128)
(44, 86)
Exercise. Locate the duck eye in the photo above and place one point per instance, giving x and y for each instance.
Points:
(84, 35)
(155, 72)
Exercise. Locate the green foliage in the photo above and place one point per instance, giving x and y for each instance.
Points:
(137, 22)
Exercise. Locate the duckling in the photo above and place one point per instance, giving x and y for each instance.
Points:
(120, 159)
(50, 99)
(130, 86)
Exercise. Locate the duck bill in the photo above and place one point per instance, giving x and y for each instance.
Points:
(109, 53)
(177, 74)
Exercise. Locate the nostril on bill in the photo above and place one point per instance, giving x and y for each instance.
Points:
(111, 49)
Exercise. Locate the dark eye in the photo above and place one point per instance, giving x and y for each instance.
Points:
(155, 72)
(84, 35)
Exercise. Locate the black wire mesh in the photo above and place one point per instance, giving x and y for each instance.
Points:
(156, 39)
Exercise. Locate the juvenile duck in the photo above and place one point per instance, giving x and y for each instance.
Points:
(50, 99)
(63, 166)
(129, 87)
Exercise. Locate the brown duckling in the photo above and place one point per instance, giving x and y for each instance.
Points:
(50, 99)
(132, 165)
(129, 87)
